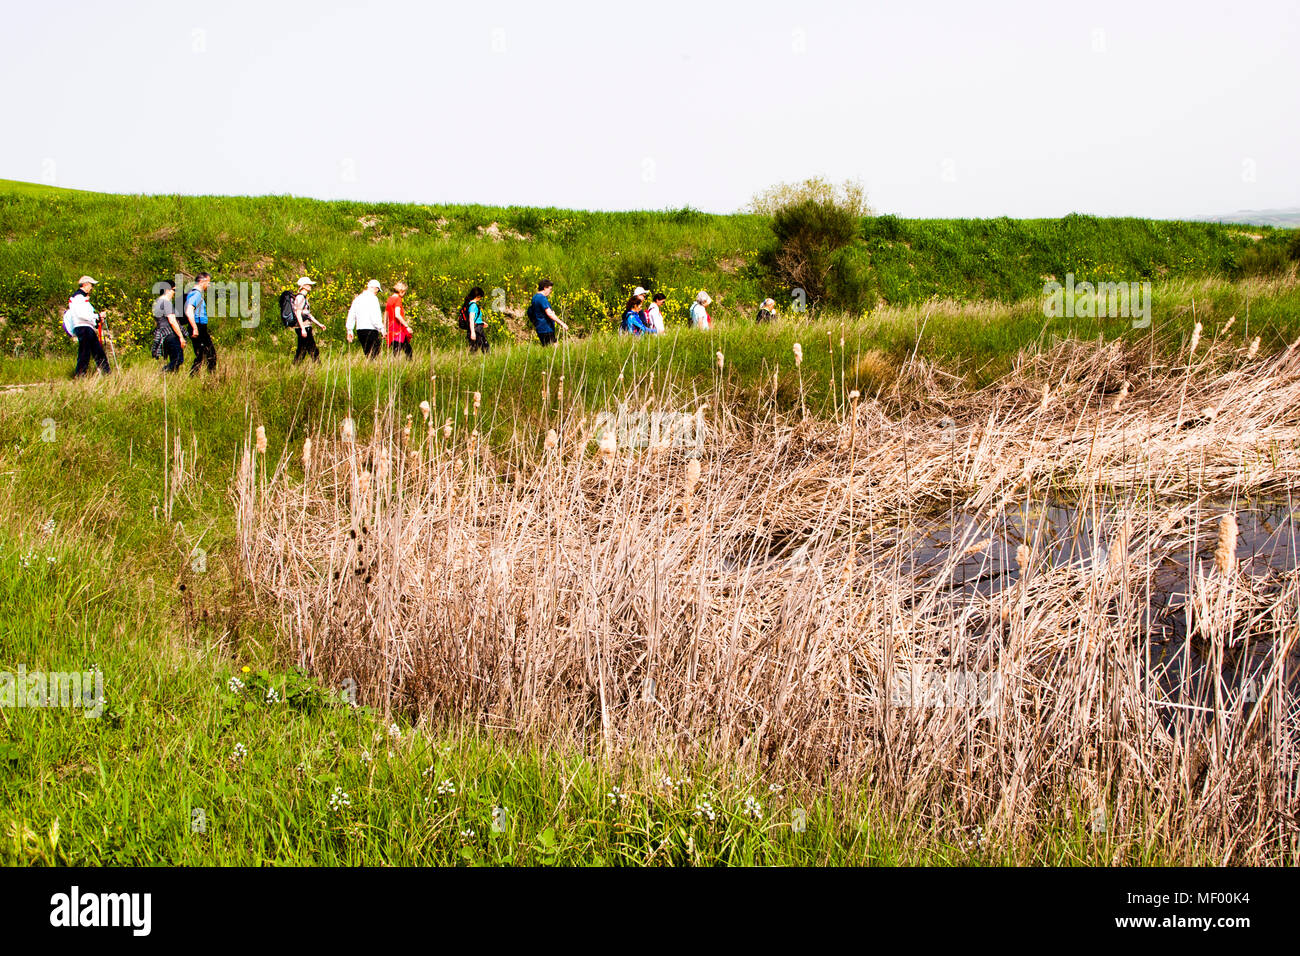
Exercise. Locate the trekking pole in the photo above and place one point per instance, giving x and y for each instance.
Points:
(112, 349)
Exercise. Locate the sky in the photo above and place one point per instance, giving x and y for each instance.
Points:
(948, 109)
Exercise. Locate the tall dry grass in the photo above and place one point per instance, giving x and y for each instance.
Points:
(762, 597)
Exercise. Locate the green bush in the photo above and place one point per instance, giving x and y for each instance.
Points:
(808, 235)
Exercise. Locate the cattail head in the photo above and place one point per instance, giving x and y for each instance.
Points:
(552, 440)
(1047, 394)
(446, 429)
(721, 360)
(1118, 557)
(854, 395)
(349, 429)
(261, 439)
(1022, 558)
(425, 410)
(559, 390)
(406, 431)
(608, 445)
(1225, 554)
(1119, 399)
(306, 455)
(364, 483)
(478, 400)
(1227, 325)
(1196, 340)
(798, 354)
(1254, 348)
(692, 475)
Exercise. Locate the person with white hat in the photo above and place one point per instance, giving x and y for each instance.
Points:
(366, 319)
(767, 311)
(302, 313)
(700, 318)
(633, 322)
(85, 327)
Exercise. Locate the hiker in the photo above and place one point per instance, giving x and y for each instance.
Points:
(168, 335)
(474, 322)
(196, 313)
(766, 311)
(302, 315)
(399, 330)
(632, 323)
(366, 319)
(700, 312)
(654, 316)
(543, 316)
(84, 322)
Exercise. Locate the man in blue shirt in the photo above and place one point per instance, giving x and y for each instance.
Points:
(543, 316)
(196, 311)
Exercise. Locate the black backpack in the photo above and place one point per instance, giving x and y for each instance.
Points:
(463, 319)
(286, 308)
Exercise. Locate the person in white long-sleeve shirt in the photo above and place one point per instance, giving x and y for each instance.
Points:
(366, 319)
(85, 326)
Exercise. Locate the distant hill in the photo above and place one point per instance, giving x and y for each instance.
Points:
(1280, 218)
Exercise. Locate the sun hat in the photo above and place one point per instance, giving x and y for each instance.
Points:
(640, 291)
(305, 281)
(373, 284)
(84, 279)
(769, 303)
(703, 298)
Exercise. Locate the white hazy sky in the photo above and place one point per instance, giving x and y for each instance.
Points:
(1032, 108)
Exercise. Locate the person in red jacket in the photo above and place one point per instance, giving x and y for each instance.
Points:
(399, 329)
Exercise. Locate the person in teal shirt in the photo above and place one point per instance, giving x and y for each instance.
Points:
(475, 322)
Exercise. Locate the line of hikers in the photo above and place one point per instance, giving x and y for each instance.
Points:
(367, 321)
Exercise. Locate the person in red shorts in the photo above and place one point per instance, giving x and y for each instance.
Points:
(399, 329)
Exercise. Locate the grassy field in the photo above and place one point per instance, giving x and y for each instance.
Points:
(137, 543)
(130, 242)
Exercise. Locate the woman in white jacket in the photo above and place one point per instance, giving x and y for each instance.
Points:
(366, 319)
(85, 326)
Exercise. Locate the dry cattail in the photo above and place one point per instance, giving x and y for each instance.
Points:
(261, 439)
(1227, 325)
(552, 440)
(306, 455)
(559, 392)
(478, 400)
(406, 431)
(1119, 399)
(1225, 554)
(1047, 394)
(798, 354)
(364, 483)
(425, 410)
(720, 361)
(854, 395)
(692, 475)
(349, 429)
(446, 429)
(1196, 340)
(1022, 558)
(608, 445)
(1253, 350)
(1118, 557)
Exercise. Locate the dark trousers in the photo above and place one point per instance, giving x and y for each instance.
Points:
(306, 346)
(546, 338)
(204, 351)
(369, 339)
(89, 347)
(403, 348)
(174, 351)
(480, 341)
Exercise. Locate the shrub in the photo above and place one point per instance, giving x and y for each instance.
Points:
(808, 235)
(848, 195)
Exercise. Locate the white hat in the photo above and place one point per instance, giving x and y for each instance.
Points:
(703, 298)
(304, 281)
(640, 291)
(373, 284)
(84, 279)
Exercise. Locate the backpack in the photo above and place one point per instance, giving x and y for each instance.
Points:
(286, 308)
(463, 319)
(67, 321)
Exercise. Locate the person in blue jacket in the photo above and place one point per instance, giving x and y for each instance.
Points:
(543, 316)
(634, 322)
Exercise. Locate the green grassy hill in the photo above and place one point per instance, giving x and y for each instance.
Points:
(51, 236)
